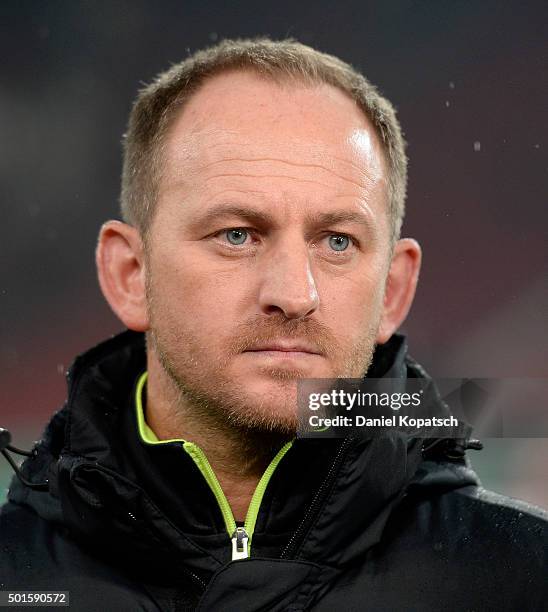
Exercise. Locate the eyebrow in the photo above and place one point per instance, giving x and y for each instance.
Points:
(234, 210)
(342, 216)
(261, 218)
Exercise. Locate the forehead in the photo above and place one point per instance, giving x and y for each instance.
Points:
(242, 128)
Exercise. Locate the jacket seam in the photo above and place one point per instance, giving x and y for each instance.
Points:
(323, 505)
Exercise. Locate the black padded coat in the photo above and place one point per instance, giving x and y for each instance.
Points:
(344, 525)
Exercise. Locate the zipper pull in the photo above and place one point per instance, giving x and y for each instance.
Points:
(240, 541)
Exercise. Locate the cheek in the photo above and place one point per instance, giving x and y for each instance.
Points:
(207, 301)
(355, 298)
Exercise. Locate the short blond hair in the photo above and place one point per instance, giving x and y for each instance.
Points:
(158, 103)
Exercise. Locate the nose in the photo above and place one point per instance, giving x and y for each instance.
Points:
(288, 285)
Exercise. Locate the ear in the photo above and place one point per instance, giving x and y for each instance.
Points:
(120, 267)
(400, 287)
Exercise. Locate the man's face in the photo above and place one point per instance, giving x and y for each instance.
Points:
(269, 249)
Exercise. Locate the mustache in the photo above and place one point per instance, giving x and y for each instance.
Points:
(262, 329)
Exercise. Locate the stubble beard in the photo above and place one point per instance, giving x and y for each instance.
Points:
(207, 395)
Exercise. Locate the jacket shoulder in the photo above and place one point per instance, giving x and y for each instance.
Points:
(508, 506)
(499, 516)
(469, 544)
(514, 528)
(485, 521)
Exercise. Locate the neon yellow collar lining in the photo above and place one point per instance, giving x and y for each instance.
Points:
(199, 458)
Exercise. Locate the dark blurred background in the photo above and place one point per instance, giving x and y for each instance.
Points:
(470, 81)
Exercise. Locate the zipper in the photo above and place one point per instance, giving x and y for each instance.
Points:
(240, 544)
(313, 509)
(240, 536)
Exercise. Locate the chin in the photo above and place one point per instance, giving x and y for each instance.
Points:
(268, 405)
(276, 390)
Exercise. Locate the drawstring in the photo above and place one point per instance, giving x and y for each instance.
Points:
(5, 446)
(450, 448)
(453, 448)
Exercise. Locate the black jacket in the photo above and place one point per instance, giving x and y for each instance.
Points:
(344, 524)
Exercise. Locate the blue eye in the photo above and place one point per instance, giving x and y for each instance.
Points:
(339, 242)
(236, 236)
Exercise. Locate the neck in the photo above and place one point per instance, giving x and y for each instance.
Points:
(238, 457)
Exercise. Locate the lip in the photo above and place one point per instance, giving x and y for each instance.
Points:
(281, 346)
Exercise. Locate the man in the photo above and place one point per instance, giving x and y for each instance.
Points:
(263, 194)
